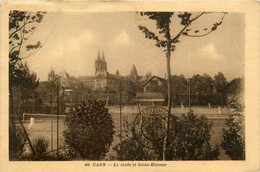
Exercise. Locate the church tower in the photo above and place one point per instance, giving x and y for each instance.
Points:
(133, 74)
(100, 64)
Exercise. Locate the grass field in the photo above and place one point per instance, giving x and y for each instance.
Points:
(44, 123)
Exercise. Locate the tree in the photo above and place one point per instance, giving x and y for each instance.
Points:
(220, 85)
(21, 27)
(207, 83)
(54, 81)
(24, 88)
(233, 142)
(89, 131)
(235, 86)
(40, 146)
(190, 142)
(130, 90)
(168, 42)
(202, 88)
(16, 152)
(134, 151)
(233, 136)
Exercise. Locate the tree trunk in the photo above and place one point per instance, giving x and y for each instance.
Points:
(12, 135)
(168, 57)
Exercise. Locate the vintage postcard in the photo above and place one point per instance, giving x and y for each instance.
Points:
(158, 86)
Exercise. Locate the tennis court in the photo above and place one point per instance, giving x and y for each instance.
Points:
(45, 125)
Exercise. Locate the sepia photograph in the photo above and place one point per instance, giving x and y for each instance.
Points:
(129, 87)
(126, 86)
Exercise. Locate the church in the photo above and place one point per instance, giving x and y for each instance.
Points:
(104, 84)
(102, 80)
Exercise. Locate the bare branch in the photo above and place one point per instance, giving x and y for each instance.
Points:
(19, 29)
(20, 45)
(212, 29)
(13, 48)
(199, 35)
(188, 24)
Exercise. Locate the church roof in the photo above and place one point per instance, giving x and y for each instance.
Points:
(159, 78)
(86, 78)
(109, 75)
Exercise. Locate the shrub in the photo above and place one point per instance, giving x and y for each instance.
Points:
(40, 147)
(192, 140)
(16, 152)
(233, 136)
(132, 150)
(189, 141)
(232, 141)
(89, 131)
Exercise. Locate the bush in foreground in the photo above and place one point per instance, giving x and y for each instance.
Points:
(16, 152)
(191, 142)
(89, 132)
(232, 142)
(233, 136)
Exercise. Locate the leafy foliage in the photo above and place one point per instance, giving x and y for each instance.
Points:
(235, 86)
(131, 90)
(40, 146)
(185, 18)
(190, 142)
(220, 83)
(89, 131)
(22, 86)
(233, 136)
(163, 20)
(16, 152)
(232, 142)
(133, 151)
(236, 102)
(21, 27)
(168, 42)
(24, 78)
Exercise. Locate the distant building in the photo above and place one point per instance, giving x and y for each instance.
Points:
(104, 84)
(155, 84)
(153, 92)
(102, 80)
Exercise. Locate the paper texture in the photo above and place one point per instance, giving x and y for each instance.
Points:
(62, 12)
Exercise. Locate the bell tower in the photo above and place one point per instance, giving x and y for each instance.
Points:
(100, 64)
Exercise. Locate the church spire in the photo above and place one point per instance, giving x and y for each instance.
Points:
(134, 74)
(133, 70)
(98, 55)
(103, 56)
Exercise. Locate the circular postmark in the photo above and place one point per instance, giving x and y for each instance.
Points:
(149, 127)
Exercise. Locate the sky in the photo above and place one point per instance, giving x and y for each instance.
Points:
(71, 42)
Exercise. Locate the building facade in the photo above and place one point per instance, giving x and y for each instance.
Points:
(104, 85)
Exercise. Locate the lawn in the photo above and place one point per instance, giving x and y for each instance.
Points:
(43, 124)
